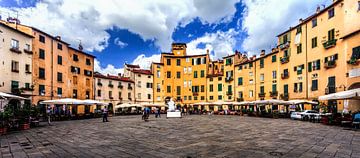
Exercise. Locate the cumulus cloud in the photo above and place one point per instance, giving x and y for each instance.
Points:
(220, 43)
(109, 69)
(145, 62)
(88, 20)
(264, 19)
(120, 43)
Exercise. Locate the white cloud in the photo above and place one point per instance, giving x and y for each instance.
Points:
(221, 43)
(120, 43)
(145, 62)
(109, 69)
(153, 20)
(265, 19)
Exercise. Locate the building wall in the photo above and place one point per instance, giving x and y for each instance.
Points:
(158, 83)
(142, 87)
(7, 56)
(247, 73)
(215, 77)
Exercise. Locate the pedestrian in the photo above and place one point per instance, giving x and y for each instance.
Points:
(105, 114)
(48, 113)
(158, 112)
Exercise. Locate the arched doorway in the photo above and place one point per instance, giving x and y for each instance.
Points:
(354, 86)
(110, 108)
(352, 105)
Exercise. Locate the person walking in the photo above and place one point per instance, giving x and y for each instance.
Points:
(158, 112)
(48, 112)
(105, 114)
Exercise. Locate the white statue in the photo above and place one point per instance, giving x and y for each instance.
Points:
(171, 105)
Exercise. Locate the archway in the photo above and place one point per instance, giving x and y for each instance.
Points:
(110, 108)
(353, 105)
(354, 85)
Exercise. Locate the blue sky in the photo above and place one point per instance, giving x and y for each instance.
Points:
(138, 31)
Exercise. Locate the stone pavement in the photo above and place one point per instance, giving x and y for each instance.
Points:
(191, 136)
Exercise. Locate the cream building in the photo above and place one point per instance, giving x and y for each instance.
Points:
(114, 90)
(143, 80)
(16, 61)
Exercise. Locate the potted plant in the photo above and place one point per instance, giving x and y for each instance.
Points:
(275, 114)
(243, 111)
(4, 119)
(23, 115)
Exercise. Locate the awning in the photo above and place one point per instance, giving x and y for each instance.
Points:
(64, 101)
(92, 102)
(269, 102)
(10, 96)
(349, 94)
(295, 102)
(127, 105)
(202, 103)
(152, 105)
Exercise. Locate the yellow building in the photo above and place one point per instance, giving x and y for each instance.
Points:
(215, 78)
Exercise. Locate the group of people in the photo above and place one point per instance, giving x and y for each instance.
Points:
(147, 112)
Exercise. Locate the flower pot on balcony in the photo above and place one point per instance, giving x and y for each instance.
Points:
(25, 126)
(330, 43)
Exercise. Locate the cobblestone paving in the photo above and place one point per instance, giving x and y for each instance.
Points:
(191, 136)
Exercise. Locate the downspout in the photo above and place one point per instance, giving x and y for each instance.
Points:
(52, 70)
(306, 64)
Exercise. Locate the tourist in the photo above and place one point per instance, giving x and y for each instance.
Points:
(105, 114)
(48, 112)
(158, 112)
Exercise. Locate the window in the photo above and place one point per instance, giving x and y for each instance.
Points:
(87, 93)
(14, 44)
(299, 48)
(331, 34)
(187, 60)
(168, 74)
(190, 83)
(185, 83)
(211, 88)
(262, 63)
(99, 93)
(149, 96)
(314, 42)
(158, 98)
(41, 53)
(178, 90)
(59, 60)
(314, 65)
(273, 58)
(274, 88)
(300, 87)
(59, 46)
(251, 73)
(14, 66)
(185, 70)
(298, 30)
(41, 73)
(129, 95)
(211, 79)
(42, 39)
(42, 90)
(331, 13)
(286, 90)
(59, 91)
(211, 97)
(88, 73)
(195, 74)
(202, 88)
(274, 74)
(74, 93)
(158, 73)
(219, 97)
(314, 22)
(178, 62)
(75, 70)
(219, 78)
(189, 97)
(139, 95)
(59, 77)
(189, 69)
(358, 5)
(250, 65)
(75, 79)
(219, 87)
(331, 58)
(202, 98)
(314, 85)
(27, 47)
(251, 81)
(168, 61)
(240, 81)
(14, 85)
(75, 57)
(355, 53)
(168, 89)
(240, 67)
(178, 74)
(261, 77)
(202, 73)
(138, 84)
(251, 93)
(27, 68)
(88, 62)
(262, 89)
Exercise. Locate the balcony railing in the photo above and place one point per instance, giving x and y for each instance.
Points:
(120, 98)
(330, 43)
(353, 61)
(99, 84)
(284, 75)
(15, 50)
(158, 90)
(229, 79)
(284, 45)
(229, 93)
(120, 86)
(262, 95)
(111, 85)
(195, 93)
(330, 89)
(28, 51)
(111, 98)
(130, 88)
(273, 94)
(284, 96)
(284, 59)
(330, 64)
(129, 99)
(239, 99)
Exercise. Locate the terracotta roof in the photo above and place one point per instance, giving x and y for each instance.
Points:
(311, 17)
(142, 71)
(185, 56)
(132, 66)
(82, 52)
(111, 77)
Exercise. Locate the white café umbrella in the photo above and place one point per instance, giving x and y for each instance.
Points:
(349, 94)
(63, 101)
(295, 102)
(91, 102)
(10, 96)
(202, 103)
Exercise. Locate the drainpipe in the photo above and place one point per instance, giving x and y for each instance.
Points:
(306, 64)
(52, 70)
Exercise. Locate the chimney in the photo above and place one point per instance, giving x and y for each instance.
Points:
(253, 57)
(262, 53)
(301, 20)
(80, 46)
(119, 74)
(318, 9)
(58, 38)
(207, 51)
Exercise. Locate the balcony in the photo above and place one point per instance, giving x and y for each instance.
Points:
(111, 98)
(229, 79)
(229, 93)
(284, 96)
(28, 72)
(195, 93)
(16, 91)
(353, 61)
(158, 90)
(130, 88)
(273, 94)
(284, 59)
(120, 86)
(284, 45)
(129, 99)
(330, 89)
(239, 99)
(330, 64)
(14, 70)
(111, 85)
(15, 50)
(284, 75)
(120, 98)
(28, 51)
(262, 95)
(330, 43)
(99, 84)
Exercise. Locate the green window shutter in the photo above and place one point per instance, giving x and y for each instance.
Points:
(220, 87)
(318, 64)
(309, 67)
(274, 87)
(286, 89)
(273, 58)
